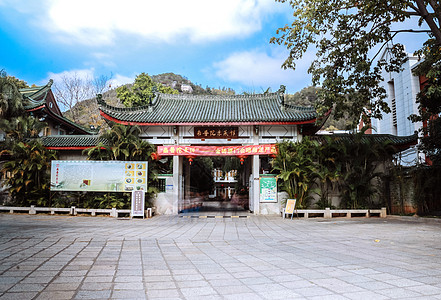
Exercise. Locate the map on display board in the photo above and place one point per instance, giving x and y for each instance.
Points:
(268, 189)
(98, 176)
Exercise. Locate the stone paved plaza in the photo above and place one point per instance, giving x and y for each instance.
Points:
(171, 257)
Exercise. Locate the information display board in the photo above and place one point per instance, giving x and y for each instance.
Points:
(99, 176)
(138, 204)
(268, 189)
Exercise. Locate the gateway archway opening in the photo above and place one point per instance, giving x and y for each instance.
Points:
(183, 191)
(216, 184)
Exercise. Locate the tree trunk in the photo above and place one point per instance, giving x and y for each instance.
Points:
(422, 10)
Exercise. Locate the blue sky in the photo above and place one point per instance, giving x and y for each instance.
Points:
(212, 43)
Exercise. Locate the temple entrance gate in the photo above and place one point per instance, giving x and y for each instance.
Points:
(186, 154)
(185, 126)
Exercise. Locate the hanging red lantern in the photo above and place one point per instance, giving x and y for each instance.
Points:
(242, 159)
(190, 160)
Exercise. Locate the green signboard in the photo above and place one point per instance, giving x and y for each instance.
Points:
(99, 176)
(268, 189)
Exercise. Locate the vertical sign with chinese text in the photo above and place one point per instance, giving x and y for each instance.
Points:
(138, 204)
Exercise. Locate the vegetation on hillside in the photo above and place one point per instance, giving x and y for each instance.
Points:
(142, 91)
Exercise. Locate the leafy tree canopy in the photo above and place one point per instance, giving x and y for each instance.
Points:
(11, 101)
(142, 90)
(344, 32)
(429, 102)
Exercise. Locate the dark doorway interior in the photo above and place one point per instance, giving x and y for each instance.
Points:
(215, 184)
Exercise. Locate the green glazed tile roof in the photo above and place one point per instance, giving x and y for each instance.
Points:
(194, 109)
(39, 92)
(74, 141)
(86, 141)
(399, 142)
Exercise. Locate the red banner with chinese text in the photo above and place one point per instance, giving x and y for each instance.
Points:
(269, 149)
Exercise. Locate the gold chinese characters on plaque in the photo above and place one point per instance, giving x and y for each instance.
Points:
(216, 132)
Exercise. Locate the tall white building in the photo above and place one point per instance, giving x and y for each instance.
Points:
(402, 89)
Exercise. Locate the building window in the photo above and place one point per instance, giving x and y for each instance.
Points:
(160, 185)
(47, 131)
(391, 88)
(61, 132)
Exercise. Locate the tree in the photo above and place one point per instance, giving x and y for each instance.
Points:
(74, 88)
(29, 169)
(123, 143)
(28, 161)
(429, 102)
(358, 160)
(142, 90)
(328, 170)
(345, 32)
(11, 101)
(295, 163)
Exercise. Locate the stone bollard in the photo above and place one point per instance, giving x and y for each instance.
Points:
(327, 213)
(114, 213)
(73, 212)
(32, 210)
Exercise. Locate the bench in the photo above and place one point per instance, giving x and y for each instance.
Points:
(32, 210)
(330, 213)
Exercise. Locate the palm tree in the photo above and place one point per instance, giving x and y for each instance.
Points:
(123, 143)
(29, 169)
(295, 162)
(359, 157)
(328, 170)
(122, 140)
(22, 127)
(102, 151)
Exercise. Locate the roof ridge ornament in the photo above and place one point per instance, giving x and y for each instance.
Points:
(99, 99)
(152, 98)
(281, 95)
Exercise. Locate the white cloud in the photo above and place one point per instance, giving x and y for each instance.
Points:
(262, 70)
(88, 74)
(99, 22)
(118, 80)
(84, 74)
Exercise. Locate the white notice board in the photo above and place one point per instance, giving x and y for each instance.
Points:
(99, 176)
(138, 204)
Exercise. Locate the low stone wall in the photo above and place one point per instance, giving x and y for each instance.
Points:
(32, 210)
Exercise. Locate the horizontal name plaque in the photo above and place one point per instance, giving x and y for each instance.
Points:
(216, 132)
